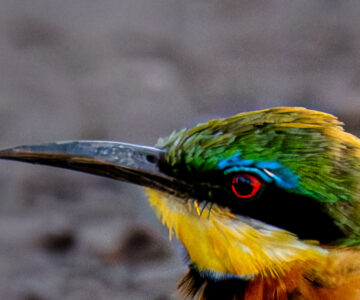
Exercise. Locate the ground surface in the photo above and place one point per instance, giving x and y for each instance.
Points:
(132, 71)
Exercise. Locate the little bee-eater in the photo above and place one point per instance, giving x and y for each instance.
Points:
(266, 203)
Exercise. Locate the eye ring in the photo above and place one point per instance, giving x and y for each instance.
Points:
(249, 183)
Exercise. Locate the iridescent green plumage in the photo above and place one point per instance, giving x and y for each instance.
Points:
(310, 144)
(266, 203)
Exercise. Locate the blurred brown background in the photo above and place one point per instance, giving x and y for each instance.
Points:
(134, 70)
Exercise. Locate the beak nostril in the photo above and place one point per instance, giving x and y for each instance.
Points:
(151, 158)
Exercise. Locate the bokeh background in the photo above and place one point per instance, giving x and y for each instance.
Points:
(134, 70)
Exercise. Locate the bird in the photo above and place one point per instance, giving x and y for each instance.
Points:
(266, 203)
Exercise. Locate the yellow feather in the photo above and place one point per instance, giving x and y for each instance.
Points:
(220, 241)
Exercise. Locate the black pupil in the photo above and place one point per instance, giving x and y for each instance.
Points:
(243, 186)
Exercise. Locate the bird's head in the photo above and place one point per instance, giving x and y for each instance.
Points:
(250, 195)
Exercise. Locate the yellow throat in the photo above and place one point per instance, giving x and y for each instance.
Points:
(219, 241)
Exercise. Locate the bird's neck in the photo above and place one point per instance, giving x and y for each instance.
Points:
(283, 267)
(217, 241)
(338, 279)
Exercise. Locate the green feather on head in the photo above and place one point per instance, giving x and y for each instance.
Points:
(309, 145)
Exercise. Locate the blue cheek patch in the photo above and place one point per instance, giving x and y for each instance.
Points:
(256, 171)
(267, 170)
(270, 165)
(235, 160)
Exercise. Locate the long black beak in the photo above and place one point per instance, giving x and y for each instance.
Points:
(126, 162)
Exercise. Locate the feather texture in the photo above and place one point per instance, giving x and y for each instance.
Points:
(309, 144)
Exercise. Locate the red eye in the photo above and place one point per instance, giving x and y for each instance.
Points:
(245, 186)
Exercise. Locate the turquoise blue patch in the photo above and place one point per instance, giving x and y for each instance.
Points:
(269, 171)
(271, 165)
(256, 171)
